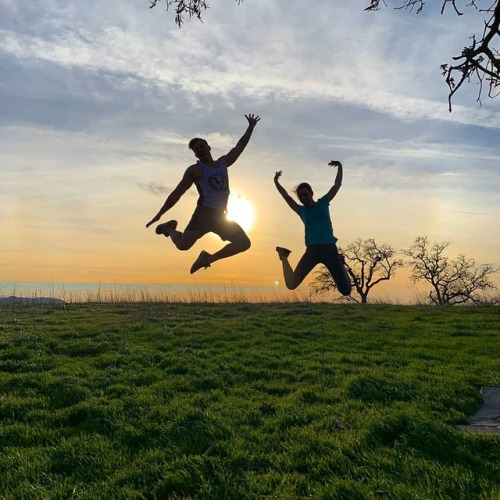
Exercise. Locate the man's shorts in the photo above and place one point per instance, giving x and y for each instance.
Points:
(209, 220)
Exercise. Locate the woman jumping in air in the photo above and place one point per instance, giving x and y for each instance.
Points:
(321, 245)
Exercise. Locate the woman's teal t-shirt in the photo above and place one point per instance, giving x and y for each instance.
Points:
(318, 224)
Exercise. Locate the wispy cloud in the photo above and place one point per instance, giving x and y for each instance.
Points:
(356, 63)
(154, 187)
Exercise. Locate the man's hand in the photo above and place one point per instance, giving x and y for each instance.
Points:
(156, 218)
(335, 163)
(252, 119)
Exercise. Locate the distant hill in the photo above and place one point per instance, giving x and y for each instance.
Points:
(30, 300)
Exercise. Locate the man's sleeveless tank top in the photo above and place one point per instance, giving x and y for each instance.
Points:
(213, 187)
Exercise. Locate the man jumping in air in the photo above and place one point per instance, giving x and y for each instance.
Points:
(212, 182)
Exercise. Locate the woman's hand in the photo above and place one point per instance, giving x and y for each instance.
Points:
(335, 163)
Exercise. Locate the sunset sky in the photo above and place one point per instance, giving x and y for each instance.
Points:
(99, 99)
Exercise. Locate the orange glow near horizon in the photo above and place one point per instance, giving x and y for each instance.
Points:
(48, 246)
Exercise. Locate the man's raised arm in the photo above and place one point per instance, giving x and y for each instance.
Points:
(234, 154)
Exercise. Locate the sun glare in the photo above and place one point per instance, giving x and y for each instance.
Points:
(240, 210)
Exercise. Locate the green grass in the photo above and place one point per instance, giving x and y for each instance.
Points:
(246, 401)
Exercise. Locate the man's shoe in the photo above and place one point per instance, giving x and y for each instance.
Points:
(283, 253)
(203, 260)
(163, 228)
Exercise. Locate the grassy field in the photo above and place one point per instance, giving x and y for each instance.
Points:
(246, 401)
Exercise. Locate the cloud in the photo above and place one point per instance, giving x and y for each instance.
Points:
(289, 58)
(154, 187)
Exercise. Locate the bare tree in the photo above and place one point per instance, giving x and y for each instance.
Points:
(479, 59)
(366, 263)
(453, 281)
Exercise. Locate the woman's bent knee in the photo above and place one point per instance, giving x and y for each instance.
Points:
(291, 285)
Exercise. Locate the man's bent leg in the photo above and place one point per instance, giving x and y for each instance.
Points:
(185, 240)
(166, 227)
(228, 231)
(240, 244)
(205, 259)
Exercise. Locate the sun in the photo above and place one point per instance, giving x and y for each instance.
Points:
(240, 210)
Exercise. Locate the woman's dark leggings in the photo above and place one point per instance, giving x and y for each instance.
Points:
(322, 254)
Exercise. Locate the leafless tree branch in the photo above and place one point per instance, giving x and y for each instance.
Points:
(183, 7)
(192, 8)
(480, 60)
